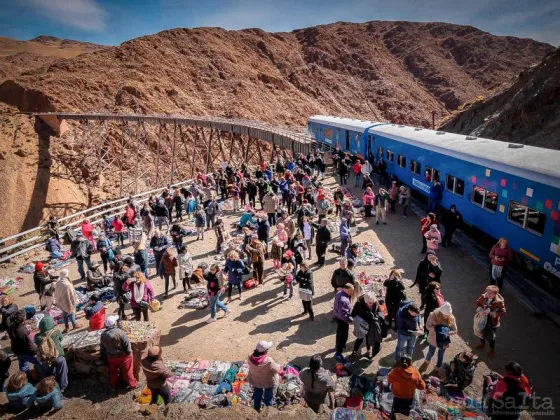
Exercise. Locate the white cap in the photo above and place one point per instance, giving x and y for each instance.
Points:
(111, 321)
(63, 274)
(446, 309)
(263, 346)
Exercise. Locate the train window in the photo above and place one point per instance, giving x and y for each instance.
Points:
(390, 156)
(414, 167)
(401, 161)
(431, 174)
(526, 218)
(380, 151)
(454, 185)
(484, 198)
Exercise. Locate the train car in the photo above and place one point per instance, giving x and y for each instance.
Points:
(504, 190)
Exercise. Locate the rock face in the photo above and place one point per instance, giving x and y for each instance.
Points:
(527, 110)
(388, 71)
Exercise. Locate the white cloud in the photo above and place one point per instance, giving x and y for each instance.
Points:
(86, 15)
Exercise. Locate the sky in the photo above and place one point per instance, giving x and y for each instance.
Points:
(113, 22)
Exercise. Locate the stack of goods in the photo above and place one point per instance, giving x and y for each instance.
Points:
(142, 336)
(368, 255)
(83, 354)
(9, 285)
(222, 384)
(356, 202)
(195, 298)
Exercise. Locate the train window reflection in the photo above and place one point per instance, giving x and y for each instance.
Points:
(484, 198)
(527, 218)
(454, 185)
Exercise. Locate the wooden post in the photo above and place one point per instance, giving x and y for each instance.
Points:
(173, 154)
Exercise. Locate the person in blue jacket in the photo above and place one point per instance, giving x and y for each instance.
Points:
(19, 391)
(345, 237)
(47, 395)
(235, 268)
(408, 328)
(435, 196)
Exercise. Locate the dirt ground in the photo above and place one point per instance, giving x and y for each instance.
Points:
(262, 314)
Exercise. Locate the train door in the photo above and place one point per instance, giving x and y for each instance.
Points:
(369, 142)
(347, 141)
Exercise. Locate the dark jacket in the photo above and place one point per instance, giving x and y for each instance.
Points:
(6, 312)
(21, 341)
(263, 229)
(394, 294)
(423, 273)
(350, 256)
(451, 221)
(235, 271)
(213, 284)
(161, 210)
(430, 303)
(162, 243)
(342, 276)
(373, 317)
(305, 280)
(115, 343)
(406, 322)
(41, 279)
(141, 258)
(462, 374)
(92, 310)
(323, 236)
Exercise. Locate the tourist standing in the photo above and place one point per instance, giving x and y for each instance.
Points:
(304, 278)
(81, 250)
(141, 294)
(369, 325)
(167, 269)
(394, 294)
(500, 258)
(368, 199)
(322, 238)
(44, 285)
(235, 268)
(429, 269)
(257, 255)
(405, 380)
(425, 224)
(492, 304)
(343, 319)
(22, 345)
(408, 328)
(451, 220)
(66, 299)
(380, 206)
(263, 375)
(441, 325)
(186, 267)
(116, 346)
(215, 286)
(404, 197)
(159, 243)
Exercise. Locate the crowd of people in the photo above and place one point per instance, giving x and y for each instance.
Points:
(284, 212)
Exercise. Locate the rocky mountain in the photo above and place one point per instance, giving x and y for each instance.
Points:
(526, 110)
(388, 71)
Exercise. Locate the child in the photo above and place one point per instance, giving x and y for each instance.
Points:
(199, 222)
(19, 391)
(288, 279)
(47, 394)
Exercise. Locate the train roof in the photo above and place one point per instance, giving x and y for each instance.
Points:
(534, 163)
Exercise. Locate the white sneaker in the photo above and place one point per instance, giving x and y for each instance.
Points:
(226, 313)
(210, 320)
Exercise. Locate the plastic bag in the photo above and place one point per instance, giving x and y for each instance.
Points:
(479, 323)
(155, 305)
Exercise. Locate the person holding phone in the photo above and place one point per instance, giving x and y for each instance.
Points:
(408, 328)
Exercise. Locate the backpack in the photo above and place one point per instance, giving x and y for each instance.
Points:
(47, 352)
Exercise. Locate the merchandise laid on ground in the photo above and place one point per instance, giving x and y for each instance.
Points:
(215, 384)
(368, 255)
(9, 285)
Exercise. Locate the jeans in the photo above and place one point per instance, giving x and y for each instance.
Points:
(500, 280)
(357, 180)
(290, 287)
(258, 397)
(24, 360)
(166, 277)
(160, 220)
(210, 220)
(431, 351)
(402, 339)
(81, 265)
(56, 254)
(69, 317)
(342, 328)
(343, 246)
(216, 304)
(59, 370)
(272, 218)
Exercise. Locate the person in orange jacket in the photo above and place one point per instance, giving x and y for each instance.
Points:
(405, 380)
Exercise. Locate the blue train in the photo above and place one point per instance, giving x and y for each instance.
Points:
(502, 189)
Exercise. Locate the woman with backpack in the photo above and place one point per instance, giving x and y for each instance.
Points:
(141, 295)
(200, 222)
(368, 324)
(441, 326)
(394, 295)
(50, 351)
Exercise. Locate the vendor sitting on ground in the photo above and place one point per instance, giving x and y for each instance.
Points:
(458, 374)
(95, 313)
(54, 248)
(246, 219)
(95, 277)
